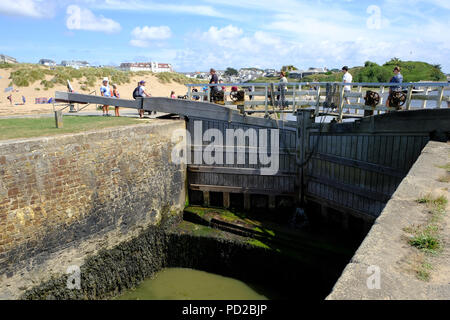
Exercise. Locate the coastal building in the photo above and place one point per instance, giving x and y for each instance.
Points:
(299, 74)
(7, 59)
(155, 67)
(75, 64)
(47, 62)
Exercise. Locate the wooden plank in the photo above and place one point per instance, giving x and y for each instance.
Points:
(231, 189)
(238, 171)
(86, 98)
(350, 188)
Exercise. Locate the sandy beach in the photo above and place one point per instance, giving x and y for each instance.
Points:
(30, 93)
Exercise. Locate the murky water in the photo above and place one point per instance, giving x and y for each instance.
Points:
(188, 284)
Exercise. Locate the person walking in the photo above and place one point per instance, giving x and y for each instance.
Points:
(397, 78)
(142, 92)
(105, 91)
(116, 95)
(282, 88)
(214, 80)
(10, 99)
(347, 78)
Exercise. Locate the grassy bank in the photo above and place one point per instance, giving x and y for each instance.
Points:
(29, 128)
(24, 75)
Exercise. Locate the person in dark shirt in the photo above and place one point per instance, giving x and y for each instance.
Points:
(397, 78)
(214, 80)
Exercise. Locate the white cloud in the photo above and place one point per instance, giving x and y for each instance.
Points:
(28, 8)
(153, 6)
(84, 19)
(142, 37)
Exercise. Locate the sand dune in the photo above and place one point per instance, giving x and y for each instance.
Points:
(156, 88)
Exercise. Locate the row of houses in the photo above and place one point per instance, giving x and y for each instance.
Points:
(7, 59)
(250, 74)
(155, 67)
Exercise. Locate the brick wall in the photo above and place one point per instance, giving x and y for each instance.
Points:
(56, 192)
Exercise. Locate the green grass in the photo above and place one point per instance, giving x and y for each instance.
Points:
(426, 237)
(24, 75)
(412, 71)
(423, 273)
(28, 128)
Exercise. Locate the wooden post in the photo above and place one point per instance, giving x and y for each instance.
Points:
(408, 98)
(381, 97)
(209, 94)
(272, 202)
(189, 94)
(266, 108)
(440, 98)
(206, 201)
(358, 101)
(294, 97)
(247, 202)
(226, 200)
(424, 103)
(59, 119)
(318, 100)
(304, 121)
(341, 103)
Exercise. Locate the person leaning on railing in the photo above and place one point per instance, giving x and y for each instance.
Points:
(397, 78)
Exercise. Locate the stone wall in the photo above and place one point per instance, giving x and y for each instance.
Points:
(64, 197)
(386, 255)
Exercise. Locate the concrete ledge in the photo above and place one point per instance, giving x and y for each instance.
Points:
(386, 244)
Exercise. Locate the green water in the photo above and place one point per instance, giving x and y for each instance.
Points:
(188, 284)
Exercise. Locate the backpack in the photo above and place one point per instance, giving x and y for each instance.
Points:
(136, 93)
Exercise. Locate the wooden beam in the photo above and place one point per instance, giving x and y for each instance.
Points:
(365, 193)
(361, 165)
(213, 188)
(239, 171)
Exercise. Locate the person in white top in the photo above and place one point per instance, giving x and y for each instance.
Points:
(347, 78)
(105, 91)
(142, 93)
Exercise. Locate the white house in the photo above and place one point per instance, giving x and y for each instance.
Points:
(47, 62)
(75, 64)
(7, 59)
(147, 66)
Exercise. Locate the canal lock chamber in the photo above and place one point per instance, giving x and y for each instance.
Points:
(285, 263)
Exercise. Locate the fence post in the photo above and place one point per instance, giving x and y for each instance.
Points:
(266, 102)
(408, 98)
(304, 122)
(341, 103)
(318, 100)
(381, 98)
(358, 101)
(59, 119)
(440, 98)
(424, 103)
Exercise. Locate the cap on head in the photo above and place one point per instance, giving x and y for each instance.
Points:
(142, 81)
(345, 68)
(105, 79)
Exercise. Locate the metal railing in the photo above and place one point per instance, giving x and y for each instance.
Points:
(270, 98)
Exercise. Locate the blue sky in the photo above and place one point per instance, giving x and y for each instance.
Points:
(197, 35)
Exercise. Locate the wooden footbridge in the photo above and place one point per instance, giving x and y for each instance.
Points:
(351, 167)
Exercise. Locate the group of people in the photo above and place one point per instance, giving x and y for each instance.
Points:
(106, 91)
(397, 78)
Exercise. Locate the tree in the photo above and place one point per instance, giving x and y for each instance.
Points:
(288, 68)
(370, 64)
(231, 72)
